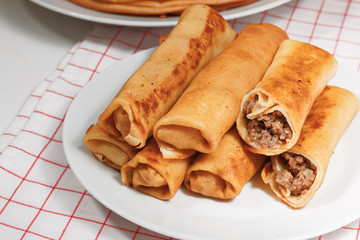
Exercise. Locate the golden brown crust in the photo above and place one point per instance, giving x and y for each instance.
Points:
(329, 117)
(209, 106)
(298, 74)
(150, 173)
(151, 91)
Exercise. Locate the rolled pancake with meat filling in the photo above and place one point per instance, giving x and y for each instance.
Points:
(151, 91)
(110, 151)
(148, 172)
(297, 174)
(272, 115)
(209, 106)
(223, 173)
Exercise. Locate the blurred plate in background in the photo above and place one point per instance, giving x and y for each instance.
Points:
(73, 10)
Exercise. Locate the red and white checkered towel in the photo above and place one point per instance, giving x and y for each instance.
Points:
(39, 196)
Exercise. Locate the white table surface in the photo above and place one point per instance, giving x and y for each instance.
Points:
(33, 42)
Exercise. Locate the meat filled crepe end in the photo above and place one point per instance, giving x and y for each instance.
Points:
(272, 114)
(295, 175)
(268, 126)
(199, 36)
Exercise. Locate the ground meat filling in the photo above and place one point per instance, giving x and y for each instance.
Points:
(298, 176)
(269, 130)
(249, 106)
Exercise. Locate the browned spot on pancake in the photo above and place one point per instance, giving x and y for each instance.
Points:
(152, 151)
(316, 121)
(137, 121)
(318, 113)
(165, 93)
(152, 160)
(216, 20)
(144, 105)
(149, 104)
(197, 49)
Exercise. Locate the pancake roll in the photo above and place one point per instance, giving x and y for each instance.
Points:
(223, 173)
(200, 35)
(209, 106)
(272, 114)
(148, 172)
(108, 150)
(296, 175)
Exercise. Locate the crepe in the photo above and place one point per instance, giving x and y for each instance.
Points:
(162, 38)
(155, 7)
(200, 35)
(272, 114)
(223, 173)
(149, 173)
(112, 152)
(296, 179)
(209, 106)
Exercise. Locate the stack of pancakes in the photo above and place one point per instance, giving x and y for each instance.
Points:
(151, 7)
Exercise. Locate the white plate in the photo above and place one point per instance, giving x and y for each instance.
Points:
(254, 214)
(73, 10)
